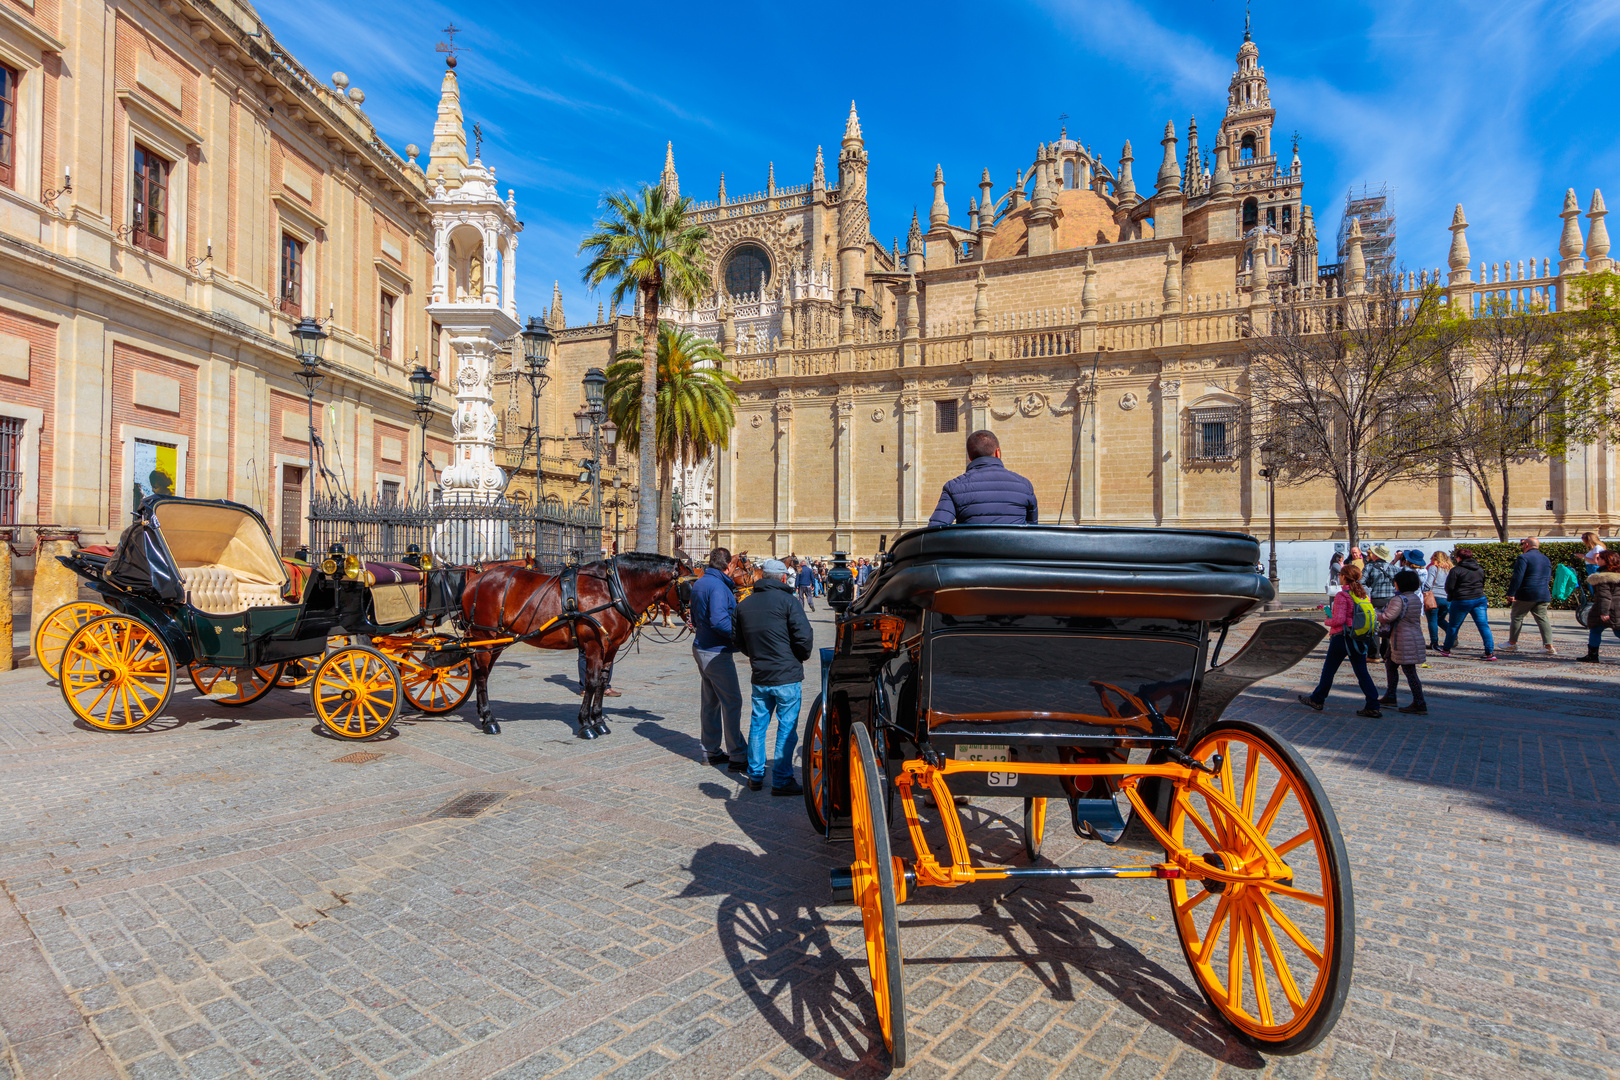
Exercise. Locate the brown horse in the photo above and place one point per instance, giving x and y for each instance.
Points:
(594, 608)
(744, 574)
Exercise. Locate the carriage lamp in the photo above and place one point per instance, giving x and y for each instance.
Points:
(594, 382)
(582, 421)
(537, 341)
(610, 434)
(413, 554)
(422, 393)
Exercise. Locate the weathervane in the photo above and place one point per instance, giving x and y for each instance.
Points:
(449, 47)
(1064, 120)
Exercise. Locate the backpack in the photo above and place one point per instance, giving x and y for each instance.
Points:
(1363, 619)
(1564, 582)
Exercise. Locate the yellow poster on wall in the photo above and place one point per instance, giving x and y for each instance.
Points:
(155, 470)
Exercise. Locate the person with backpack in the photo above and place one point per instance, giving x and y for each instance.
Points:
(1465, 586)
(1352, 623)
(1404, 617)
(1378, 577)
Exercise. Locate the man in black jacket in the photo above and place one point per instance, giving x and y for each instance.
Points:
(772, 631)
(989, 493)
(1530, 592)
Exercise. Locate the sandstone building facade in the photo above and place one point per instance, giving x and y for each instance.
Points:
(1096, 321)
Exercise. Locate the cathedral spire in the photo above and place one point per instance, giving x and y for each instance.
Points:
(670, 182)
(448, 154)
(1125, 185)
(557, 320)
(939, 215)
(1458, 259)
(1220, 184)
(722, 189)
(1570, 244)
(1169, 169)
(852, 127)
(914, 245)
(1597, 236)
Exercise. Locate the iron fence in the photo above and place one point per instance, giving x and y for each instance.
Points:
(456, 534)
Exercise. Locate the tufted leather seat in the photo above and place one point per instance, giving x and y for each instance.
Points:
(217, 590)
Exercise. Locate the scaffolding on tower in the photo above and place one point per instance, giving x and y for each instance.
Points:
(1371, 208)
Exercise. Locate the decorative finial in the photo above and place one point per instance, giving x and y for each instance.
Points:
(1246, 19)
(449, 46)
(478, 141)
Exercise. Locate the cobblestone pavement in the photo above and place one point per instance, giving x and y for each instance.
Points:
(222, 897)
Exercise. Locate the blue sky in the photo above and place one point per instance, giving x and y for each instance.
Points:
(1497, 105)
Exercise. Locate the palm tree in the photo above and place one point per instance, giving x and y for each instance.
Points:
(696, 403)
(645, 247)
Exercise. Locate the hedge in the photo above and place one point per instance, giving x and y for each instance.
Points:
(1497, 562)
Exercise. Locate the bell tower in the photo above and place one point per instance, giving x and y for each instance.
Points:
(1249, 116)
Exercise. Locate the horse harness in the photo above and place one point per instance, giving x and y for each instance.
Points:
(568, 589)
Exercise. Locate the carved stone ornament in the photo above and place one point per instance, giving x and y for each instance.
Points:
(910, 401)
(877, 416)
(1129, 401)
(1029, 405)
(979, 397)
(757, 421)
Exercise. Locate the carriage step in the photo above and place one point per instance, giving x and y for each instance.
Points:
(1097, 819)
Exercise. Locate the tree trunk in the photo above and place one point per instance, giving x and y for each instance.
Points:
(649, 510)
(1352, 523)
(1502, 522)
(666, 507)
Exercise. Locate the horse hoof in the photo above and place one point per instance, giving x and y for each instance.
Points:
(587, 733)
(603, 729)
(492, 727)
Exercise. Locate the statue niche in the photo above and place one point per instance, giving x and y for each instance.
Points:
(467, 265)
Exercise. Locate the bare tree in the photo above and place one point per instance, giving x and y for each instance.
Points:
(1341, 387)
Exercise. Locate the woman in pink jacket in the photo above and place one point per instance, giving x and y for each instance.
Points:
(1344, 645)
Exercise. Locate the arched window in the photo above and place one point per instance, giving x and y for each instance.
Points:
(1288, 219)
(1271, 217)
(1246, 147)
(1068, 174)
(748, 269)
(1273, 256)
(1251, 214)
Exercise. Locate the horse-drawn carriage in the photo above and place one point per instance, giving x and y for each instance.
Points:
(198, 584)
(1075, 665)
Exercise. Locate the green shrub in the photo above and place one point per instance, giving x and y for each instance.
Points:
(1497, 562)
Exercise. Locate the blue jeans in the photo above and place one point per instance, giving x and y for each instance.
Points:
(1594, 635)
(1338, 652)
(784, 700)
(1462, 609)
(1436, 618)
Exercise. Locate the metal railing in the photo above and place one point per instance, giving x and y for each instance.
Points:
(456, 534)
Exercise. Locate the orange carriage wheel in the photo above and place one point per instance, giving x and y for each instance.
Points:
(873, 876)
(1034, 826)
(116, 673)
(357, 693)
(1274, 958)
(815, 767)
(296, 673)
(235, 686)
(432, 691)
(53, 631)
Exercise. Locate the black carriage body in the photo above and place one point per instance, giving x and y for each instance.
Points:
(978, 641)
(183, 560)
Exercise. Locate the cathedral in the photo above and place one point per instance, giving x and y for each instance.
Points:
(1094, 320)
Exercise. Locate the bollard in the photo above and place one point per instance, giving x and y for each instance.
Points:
(54, 584)
(7, 623)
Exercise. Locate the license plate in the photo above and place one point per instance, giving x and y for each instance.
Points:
(983, 752)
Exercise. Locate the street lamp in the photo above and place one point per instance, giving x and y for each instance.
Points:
(618, 501)
(537, 343)
(309, 341)
(589, 422)
(1269, 461)
(422, 399)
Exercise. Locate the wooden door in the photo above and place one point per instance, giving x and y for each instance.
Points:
(292, 501)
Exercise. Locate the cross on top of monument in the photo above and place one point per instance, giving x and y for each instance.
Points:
(478, 142)
(449, 46)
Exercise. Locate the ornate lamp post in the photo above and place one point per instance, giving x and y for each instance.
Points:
(310, 341)
(422, 399)
(588, 423)
(537, 343)
(1269, 461)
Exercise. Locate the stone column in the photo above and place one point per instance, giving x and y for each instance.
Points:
(845, 507)
(1085, 470)
(7, 626)
(1169, 451)
(910, 456)
(783, 527)
(54, 584)
(979, 404)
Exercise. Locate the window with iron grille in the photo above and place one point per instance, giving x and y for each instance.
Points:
(151, 211)
(385, 326)
(389, 495)
(944, 417)
(11, 468)
(1212, 434)
(292, 275)
(8, 126)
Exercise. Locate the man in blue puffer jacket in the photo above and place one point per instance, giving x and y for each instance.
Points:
(989, 493)
(714, 603)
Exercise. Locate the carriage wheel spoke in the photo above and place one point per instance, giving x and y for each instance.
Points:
(1192, 902)
(1279, 963)
(1206, 948)
(1295, 934)
(1314, 899)
(1274, 805)
(1262, 993)
(1234, 957)
(1199, 824)
(1293, 842)
(1251, 782)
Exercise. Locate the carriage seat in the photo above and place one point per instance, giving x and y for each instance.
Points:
(394, 573)
(219, 590)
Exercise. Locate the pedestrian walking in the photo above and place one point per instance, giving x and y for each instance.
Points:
(772, 631)
(1605, 612)
(1465, 586)
(1594, 553)
(1378, 577)
(1439, 566)
(1335, 564)
(1352, 623)
(1404, 649)
(714, 603)
(1355, 559)
(988, 493)
(805, 582)
(1530, 593)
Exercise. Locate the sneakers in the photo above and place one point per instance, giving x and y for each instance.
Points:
(1488, 656)
(1549, 650)
(1371, 714)
(1388, 699)
(1414, 710)
(790, 788)
(1442, 652)
(1510, 647)
(1306, 699)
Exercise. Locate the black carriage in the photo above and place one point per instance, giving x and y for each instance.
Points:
(199, 585)
(1075, 667)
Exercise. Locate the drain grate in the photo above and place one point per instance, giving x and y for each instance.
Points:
(469, 805)
(359, 757)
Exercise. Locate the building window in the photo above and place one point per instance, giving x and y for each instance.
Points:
(1288, 219)
(1068, 174)
(1251, 214)
(292, 275)
(388, 493)
(1246, 147)
(1271, 217)
(385, 326)
(8, 126)
(944, 417)
(155, 469)
(435, 332)
(11, 468)
(1213, 434)
(151, 201)
(747, 270)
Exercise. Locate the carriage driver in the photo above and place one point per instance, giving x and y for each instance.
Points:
(714, 603)
(989, 493)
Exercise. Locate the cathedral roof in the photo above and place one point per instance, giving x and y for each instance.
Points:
(1084, 218)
